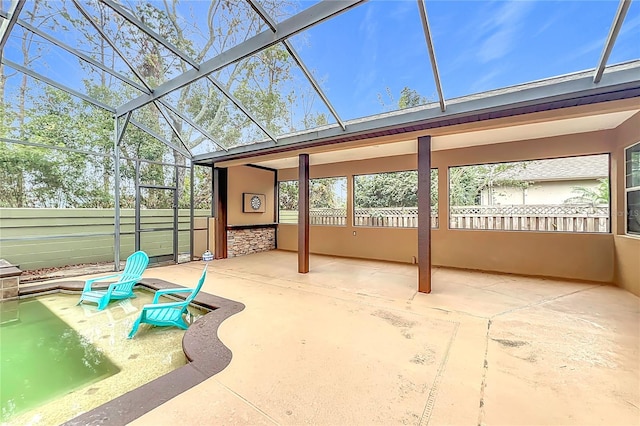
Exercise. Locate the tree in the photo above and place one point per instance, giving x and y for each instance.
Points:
(327, 193)
(397, 189)
(592, 196)
(408, 98)
(39, 177)
(324, 193)
(263, 83)
(466, 183)
(288, 194)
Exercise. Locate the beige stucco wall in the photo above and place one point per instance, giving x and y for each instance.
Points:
(243, 179)
(200, 235)
(556, 192)
(627, 248)
(398, 245)
(575, 256)
(627, 263)
(549, 192)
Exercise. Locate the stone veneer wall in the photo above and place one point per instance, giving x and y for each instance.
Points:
(9, 288)
(9, 280)
(247, 241)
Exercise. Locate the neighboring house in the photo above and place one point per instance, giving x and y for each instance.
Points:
(548, 181)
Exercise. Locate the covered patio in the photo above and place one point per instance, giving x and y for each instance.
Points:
(353, 342)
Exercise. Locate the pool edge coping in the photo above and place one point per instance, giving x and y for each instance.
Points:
(205, 353)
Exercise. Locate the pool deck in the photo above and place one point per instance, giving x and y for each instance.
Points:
(352, 342)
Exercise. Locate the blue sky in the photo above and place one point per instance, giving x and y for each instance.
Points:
(480, 45)
(364, 57)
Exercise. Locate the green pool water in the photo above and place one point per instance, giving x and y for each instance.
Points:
(59, 359)
(43, 358)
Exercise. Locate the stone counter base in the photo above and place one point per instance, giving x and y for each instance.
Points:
(247, 241)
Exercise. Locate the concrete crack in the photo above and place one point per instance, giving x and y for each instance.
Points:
(483, 384)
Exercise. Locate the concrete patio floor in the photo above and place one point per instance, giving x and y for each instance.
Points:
(352, 342)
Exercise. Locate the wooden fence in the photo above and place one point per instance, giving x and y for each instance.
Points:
(406, 217)
(375, 217)
(562, 218)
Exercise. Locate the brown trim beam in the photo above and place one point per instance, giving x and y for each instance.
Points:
(303, 213)
(424, 214)
(276, 203)
(220, 177)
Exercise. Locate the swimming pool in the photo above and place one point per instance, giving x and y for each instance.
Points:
(64, 359)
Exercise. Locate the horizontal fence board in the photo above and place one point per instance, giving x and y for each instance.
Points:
(42, 238)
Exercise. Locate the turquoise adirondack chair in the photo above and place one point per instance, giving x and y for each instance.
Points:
(122, 288)
(170, 313)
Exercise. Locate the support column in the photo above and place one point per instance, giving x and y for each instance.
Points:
(220, 211)
(276, 204)
(191, 209)
(303, 214)
(424, 214)
(116, 195)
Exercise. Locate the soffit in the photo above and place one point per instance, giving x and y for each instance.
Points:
(459, 140)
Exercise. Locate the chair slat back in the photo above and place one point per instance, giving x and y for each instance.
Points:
(135, 266)
(198, 287)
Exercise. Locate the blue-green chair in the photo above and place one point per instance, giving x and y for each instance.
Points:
(169, 313)
(122, 288)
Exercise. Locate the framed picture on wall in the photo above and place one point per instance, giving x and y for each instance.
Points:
(253, 203)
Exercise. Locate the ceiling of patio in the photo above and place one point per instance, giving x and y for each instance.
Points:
(573, 125)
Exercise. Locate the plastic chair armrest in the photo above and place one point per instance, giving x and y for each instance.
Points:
(112, 286)
(87, 283)
(170, 291)
(163, 305)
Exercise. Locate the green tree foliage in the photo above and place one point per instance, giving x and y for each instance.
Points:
(466, 183)
(263, 83)
(327, 193)
(202, 189)
(408, 98)
(40, 177)
(324, 193)
(21, 166)
(594, 196)
(288, 193)
(396, 189)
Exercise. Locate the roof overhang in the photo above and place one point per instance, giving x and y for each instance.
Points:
(619, 82)
(585, 119)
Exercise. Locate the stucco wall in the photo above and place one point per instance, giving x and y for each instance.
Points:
(627, 248)
(575, 256)
(249, 179)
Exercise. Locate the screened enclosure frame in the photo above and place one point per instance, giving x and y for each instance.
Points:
(277, 33)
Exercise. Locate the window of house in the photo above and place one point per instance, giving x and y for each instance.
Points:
(632, 188)
(390, 200)
(560, 194)
(327, 201)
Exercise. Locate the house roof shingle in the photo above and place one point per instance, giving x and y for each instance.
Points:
(585, 167)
